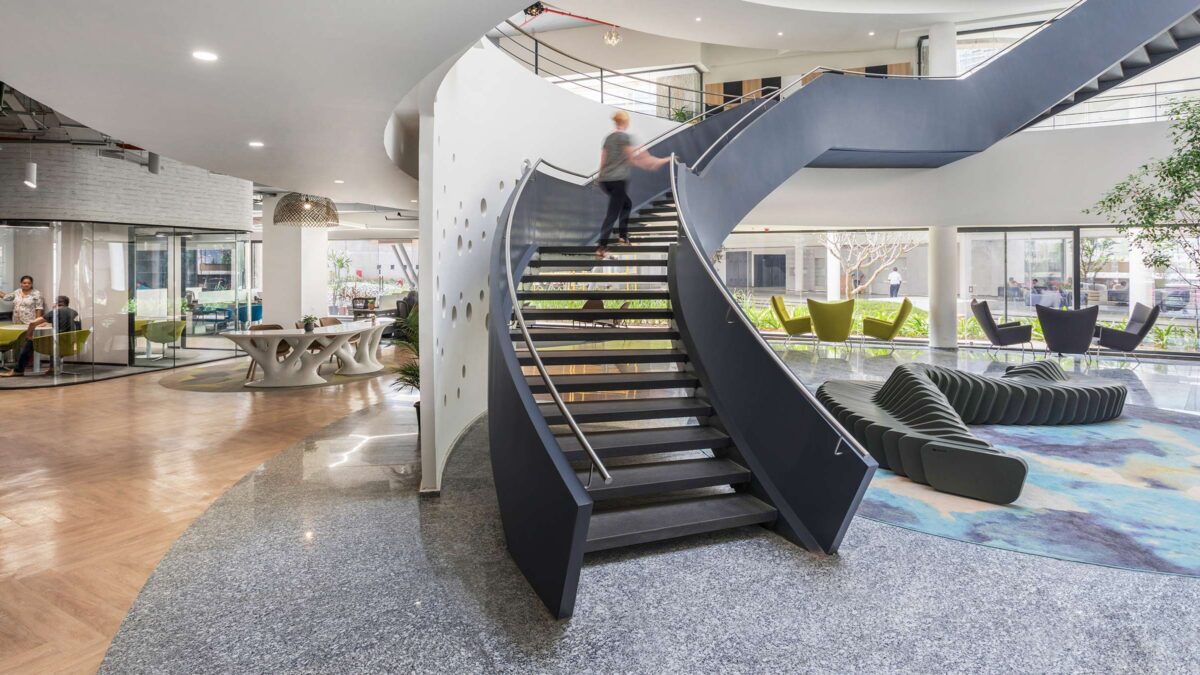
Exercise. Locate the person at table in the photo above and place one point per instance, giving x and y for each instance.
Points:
(26, 300)
(62, 318)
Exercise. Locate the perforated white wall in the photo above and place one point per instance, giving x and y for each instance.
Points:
(490, 116)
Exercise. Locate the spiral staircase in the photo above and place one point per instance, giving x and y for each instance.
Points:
(630, 399)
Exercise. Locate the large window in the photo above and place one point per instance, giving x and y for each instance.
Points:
(382, 270)
(834, 265)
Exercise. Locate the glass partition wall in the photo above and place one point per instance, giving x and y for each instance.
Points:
(146, 298)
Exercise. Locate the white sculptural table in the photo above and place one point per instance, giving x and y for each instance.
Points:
(309, 350)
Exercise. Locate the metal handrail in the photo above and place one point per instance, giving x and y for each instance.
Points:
(800, 83)
(520, 318)
(593, 65)
(845, 436)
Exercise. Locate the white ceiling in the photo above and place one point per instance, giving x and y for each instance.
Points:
(807, 25)
(316, 81)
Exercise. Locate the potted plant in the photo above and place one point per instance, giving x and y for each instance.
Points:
(310, 322)
(408, 343)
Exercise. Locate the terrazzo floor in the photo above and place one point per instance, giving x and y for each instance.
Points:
(325, 559)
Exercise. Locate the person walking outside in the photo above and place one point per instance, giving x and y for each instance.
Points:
(894, 281)
(617, 158)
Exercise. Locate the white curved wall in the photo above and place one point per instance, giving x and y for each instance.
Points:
(489, 117)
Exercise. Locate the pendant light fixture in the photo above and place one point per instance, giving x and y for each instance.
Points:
(31, 168)
(303, 210)
(613, 37)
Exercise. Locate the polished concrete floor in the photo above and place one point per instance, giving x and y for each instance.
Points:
(97, 481)
(325, 559)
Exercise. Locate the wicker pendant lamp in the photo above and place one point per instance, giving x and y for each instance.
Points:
(300, 210)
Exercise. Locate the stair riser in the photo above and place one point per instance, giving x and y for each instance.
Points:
(550, 359)
(585, 335)
(629, 416)
(598, 315)
(596, 262)
(594, 279)
(593, 295)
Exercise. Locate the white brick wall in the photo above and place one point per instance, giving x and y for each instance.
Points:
(75, 183)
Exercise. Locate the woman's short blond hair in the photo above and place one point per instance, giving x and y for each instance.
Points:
(621, 117)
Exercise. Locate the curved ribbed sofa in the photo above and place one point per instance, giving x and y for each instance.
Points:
(915, 423)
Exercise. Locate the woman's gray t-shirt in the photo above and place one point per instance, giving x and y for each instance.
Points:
(616, 164)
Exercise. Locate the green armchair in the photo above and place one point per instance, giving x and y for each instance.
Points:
(164, 333)
(12, 338)
(61, 345)
(884, 330)
(794, 327)
(831, 321)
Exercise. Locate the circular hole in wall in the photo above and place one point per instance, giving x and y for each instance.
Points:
(453, 156)
(453, 315)
(458, 392)
(460, 296)
(460, 205)
(443, 189)
(467, 223)
(468, 311)
(455, 220)
(464, 371)
(483, 235)
(442, 353)
(487, 321)
(481, 295)
(460, 243)
(502, 186)
(443, 301)
(444, 400)
(483, 206)
(470, 244)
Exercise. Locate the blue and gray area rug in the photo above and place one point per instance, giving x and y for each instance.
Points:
(1124, 493)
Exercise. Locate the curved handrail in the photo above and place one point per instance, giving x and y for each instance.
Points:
(844, 435)
(593, 65)
(529, 342)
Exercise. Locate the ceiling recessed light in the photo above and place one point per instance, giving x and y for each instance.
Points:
(256, 144)
(698, 18)
(780, 33)
(871, 34)
(201, 55)
(339, 181)
(413, 201)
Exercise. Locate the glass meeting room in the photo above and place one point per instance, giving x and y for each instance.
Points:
(129, 299)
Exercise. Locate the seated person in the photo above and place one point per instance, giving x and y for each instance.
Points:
(62, 317)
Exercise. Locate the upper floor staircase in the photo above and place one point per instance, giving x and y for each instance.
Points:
(630, 399)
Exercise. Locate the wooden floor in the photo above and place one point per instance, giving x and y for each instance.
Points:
(98, 480)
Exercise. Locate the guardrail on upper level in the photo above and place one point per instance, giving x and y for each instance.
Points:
(1126, 104)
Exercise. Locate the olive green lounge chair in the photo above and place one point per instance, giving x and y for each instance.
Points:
(831, 321)
(797, 327)
(886, 331)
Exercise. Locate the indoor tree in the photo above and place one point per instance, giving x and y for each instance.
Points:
(865, 255)
(1158, 206)
(1095, 253)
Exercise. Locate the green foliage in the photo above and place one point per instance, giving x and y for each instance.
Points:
(407, 332)
(309, 318)
(681, 114)
(1095, 253)
(1163, 334)
(1156, 206)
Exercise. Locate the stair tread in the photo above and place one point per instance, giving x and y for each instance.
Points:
(656, 477)
(593, 314)
(613, 381)
(593, 261)
(615, 248)
(629, 409)
(591, 334)
(594, 278)
(583, 356)
(678, 518)
(643, 440)
(589, 294)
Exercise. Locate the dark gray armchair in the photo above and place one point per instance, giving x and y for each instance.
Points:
(1068, 331)
(1000, 335)
(1141, 320)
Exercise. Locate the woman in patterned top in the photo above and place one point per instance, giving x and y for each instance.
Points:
(27, 302)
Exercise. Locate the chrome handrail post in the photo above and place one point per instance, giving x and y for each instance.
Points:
(529, 343)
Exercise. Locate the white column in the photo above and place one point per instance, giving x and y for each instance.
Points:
(295, 275)
(943, 50)
(427, 305)
(833, 277)
(798, 270)
(1141, 280)
(943, 291)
